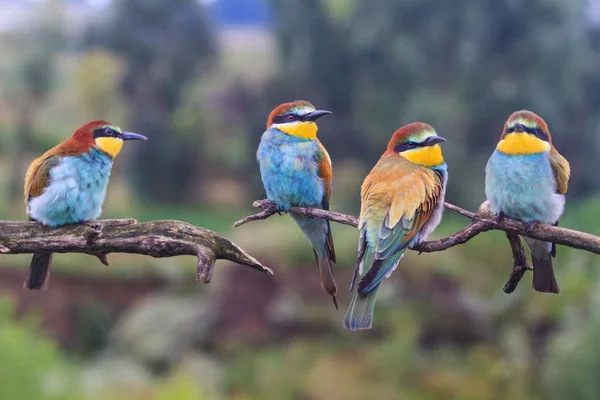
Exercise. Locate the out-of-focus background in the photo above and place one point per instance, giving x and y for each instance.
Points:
(199, 78)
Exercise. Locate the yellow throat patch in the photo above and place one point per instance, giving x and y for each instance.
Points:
(429, 156)
(519, 143)
(110, 145)
(301, 129)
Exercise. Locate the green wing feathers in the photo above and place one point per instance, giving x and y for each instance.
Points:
(398, 199)
(38, 175)
(561, 169)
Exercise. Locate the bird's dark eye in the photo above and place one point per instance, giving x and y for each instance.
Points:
(540, 134)
(291, 117)
(109, 132)
(411, 145)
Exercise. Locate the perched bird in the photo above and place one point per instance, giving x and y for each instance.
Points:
(402, 200)
(296, 171)
(526, 179)
(67, 184)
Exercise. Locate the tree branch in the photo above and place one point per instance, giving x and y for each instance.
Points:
(481, 221)
(99, 238)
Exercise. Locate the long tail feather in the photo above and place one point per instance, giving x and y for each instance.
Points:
(543, 273)
(360, 311)
(327, 277)
(39, 271)
(543, 276)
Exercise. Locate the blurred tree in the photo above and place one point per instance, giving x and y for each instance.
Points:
(463, 67)
(466, 71)
(37, 45)
(96, 83)
(164, 44)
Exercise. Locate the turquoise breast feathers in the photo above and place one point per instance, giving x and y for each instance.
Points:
(75, 192)
(288, 178)
(523, 187)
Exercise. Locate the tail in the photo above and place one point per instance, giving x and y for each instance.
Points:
(543, 273)
(38, 275)
(318, 233)
(360, 310)
(327, 278)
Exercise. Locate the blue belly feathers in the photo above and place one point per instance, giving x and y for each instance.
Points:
(523, 187)
(76, 190)
(289, 170)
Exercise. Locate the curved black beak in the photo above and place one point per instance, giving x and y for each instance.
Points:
(519, 127)
(132, 136)
(315, 115)
(431, 140)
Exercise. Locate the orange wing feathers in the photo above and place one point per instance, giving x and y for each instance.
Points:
(325, 171)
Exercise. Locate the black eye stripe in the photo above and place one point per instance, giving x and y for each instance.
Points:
(105, 132)
(400, 147)
(538, 132)
(282, 119)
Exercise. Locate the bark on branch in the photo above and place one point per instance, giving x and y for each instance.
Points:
(99, 238)
(481, 221)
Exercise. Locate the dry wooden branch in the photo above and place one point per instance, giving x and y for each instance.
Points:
(99, 238)
(481, 221)
(519, 263)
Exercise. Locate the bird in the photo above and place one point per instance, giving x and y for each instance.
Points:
(296, 171)
(402, 202)
(526, 179)
(67, 184)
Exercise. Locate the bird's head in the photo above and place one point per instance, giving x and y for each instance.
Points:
(296, 118)
(419, 143)
(525, 133)
(105, 136)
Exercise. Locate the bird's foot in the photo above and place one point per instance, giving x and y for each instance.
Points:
(272, 207)
(531, 226)
(499, 217)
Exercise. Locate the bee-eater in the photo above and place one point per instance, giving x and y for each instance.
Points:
(296, 171)
(526, 179)
(402, 201)
(67, 184)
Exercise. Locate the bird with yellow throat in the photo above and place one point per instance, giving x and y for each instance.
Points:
(526, 178)
(402, 201)
(67, 184)
(296, 171)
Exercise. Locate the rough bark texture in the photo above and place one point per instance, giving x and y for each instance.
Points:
(156, 239)
(481, 221)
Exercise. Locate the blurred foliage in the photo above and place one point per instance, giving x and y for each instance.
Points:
(201, 92)
(97, 83)
(32, 366)
(164, 45)
(463, 67)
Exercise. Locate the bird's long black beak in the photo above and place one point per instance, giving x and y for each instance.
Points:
(519, 127)
(315, 115)
(132, 136)
(431, 140)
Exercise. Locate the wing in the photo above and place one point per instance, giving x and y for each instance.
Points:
(561, 169)
(416, 191)
(325, 172)
(38, 175)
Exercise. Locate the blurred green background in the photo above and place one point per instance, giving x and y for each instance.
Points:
(199, 79)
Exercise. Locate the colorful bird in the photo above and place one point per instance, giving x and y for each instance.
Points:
(526, 179)
(402, 201)
(67, 184)
(296, 171)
